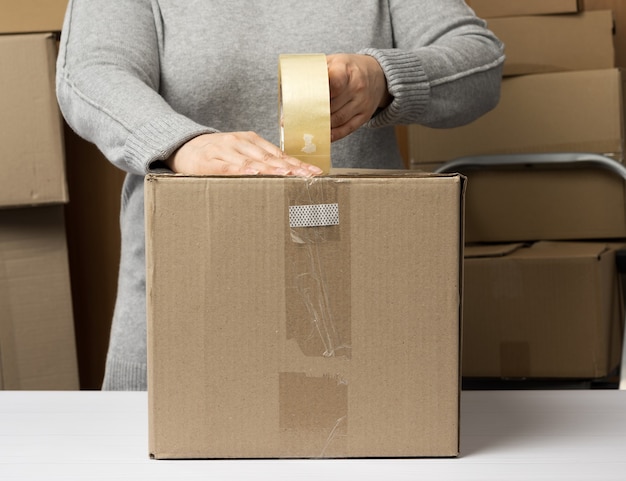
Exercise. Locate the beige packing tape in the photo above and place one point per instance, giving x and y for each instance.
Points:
(304, 108)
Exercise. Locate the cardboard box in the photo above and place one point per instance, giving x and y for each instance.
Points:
(31, 133)
(618, 7)
(529, 202)
(29, 16)
(271, 340)
(510, 8)
(581, 111)
(549, 310)
(555, 43)
(37, 345)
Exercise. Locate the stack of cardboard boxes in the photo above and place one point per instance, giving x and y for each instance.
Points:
(541, 290)
(37, 342)
(92, 183)
(561, 91)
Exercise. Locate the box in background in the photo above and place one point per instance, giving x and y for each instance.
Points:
(618, 7)
(37, 345)
(509, 8)
(29, 16)
(31, 133)
(550, 310)
(292, 317)
(580, 111)
(554, 43)
(530, 202)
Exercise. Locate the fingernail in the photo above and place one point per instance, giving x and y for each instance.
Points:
(281, 171)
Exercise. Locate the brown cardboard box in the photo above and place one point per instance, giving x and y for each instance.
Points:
(31, 133)
(28, 16)
(554, 43)
(581, 111)
(271, 340)
(509, 8)
(544, 202)
(548, 310)
(618, 7)
(37, 346)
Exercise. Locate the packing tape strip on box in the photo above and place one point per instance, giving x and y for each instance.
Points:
(318, 266)
(304, 108)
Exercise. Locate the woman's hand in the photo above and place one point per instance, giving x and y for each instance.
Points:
(236, 153)
(357, 88)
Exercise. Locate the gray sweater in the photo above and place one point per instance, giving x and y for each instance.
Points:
(140, 77)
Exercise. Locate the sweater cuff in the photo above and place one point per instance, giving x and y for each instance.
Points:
(406, 82)
(159, 138)
(121, 375)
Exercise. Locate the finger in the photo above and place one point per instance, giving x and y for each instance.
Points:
(337, 85)
(339, 102)
(338, 78)
(263, 144)
(343, 129)
(342, 116)
(256, 167)
(274, 159)
(228, 153)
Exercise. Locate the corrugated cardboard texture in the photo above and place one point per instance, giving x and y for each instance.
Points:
(556, 43)
(618, 7)
(529, 203)
(550, 310)
(270, 341)
(37, 346)
(508, 8)
(28, 16)
(31, 135)
(581, 111)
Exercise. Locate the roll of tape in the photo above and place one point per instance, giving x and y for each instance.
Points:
(304, 108)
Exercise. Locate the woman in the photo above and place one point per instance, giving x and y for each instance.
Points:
(191, 85)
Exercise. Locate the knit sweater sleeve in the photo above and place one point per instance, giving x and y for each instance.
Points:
(108, 81)
(445, 69)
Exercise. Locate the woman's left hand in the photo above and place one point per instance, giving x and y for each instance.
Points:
(357, 88)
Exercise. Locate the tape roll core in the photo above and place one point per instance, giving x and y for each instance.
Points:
(304, 108)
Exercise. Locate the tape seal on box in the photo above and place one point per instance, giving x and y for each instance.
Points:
(317, 263)
(313, 215)
(304, 108)
(313, 405)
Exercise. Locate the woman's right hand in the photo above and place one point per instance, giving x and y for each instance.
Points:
(236, 153)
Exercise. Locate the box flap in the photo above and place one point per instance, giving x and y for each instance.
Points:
(491, 250)
(570, 250)
(539, 250)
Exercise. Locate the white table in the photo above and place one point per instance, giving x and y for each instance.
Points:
(505, 435)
